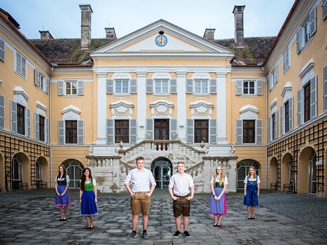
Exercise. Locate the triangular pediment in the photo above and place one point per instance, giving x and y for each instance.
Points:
(162, 38)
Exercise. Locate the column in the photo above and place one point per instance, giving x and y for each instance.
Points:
(102, 103)
(221, 104)
(141, 105)
(181, 105)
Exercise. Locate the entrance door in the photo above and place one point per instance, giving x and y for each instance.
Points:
(161, 129)
(162, 170)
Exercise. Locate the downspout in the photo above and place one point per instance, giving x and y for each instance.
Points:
(50, 125)
(267, 85)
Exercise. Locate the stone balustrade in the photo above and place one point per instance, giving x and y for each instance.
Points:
(110, 171)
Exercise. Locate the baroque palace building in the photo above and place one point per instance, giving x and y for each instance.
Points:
(169, 95)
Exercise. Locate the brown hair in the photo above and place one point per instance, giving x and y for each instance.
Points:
(139, 158)
(83, 178)
(64, 172)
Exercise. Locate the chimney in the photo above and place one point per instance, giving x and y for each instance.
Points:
(110, 33)
(86, 12)
(46, 35)
(239, 26)
(209, 34)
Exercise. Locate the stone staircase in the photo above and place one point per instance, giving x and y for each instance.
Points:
(111, 171)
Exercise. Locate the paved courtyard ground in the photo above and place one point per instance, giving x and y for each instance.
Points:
(30, 217)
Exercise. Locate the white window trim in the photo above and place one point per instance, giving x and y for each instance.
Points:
(122, 87)
(161, 87)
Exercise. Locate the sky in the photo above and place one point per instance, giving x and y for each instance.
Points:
(63, 17)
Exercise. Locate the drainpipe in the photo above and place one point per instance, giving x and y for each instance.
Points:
(266, 131)
(50, 126)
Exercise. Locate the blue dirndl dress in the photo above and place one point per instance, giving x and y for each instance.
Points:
(218, 207)
(64, 200)
(251, 197)
(88, 205)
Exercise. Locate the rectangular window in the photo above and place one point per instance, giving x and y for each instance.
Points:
(273, 126)
(286, 59)
(121, 86)
(2, 50)
(42, 82)
(201, 86)
(287, 116)
(71, 87)
(248, 131)
(306, 100)
(71, 132)
(161, 86)
(306, 27)
(20, 119)
(20, 64)
(201, 129)
(122, 131)
(306, 30)
(248, 87)
(41, 128)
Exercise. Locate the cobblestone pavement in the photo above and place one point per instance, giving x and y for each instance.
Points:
(30, 217)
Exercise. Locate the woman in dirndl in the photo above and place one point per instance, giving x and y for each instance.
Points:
(62, 196)
(218, 205)
(88, 197)
(251, 191)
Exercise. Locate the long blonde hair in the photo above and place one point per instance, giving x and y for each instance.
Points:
(255, 172)
(221, 180)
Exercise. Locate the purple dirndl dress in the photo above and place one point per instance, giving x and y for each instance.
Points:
(218, 207)
(64, 200)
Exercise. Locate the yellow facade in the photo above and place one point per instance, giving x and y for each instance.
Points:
(189, 99)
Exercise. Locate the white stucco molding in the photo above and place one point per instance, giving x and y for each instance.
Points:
(71, 112)
(204, 75)
(121, 75)
(121, 107)
(161, 75)
(20, 95)
(287, 92)
(161, 106)
(273, 103)
(287, 87)
(307, 67)
(201, 107)
(249, 112)
(41, 108)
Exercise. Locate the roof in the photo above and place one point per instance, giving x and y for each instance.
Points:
(254, 52)
(67, 52)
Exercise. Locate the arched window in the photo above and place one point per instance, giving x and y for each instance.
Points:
(16, 172)
(243, 169)
(38, 170)
(74, 170)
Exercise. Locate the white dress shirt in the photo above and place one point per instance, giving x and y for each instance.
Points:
(141, 180)
(181, 184)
